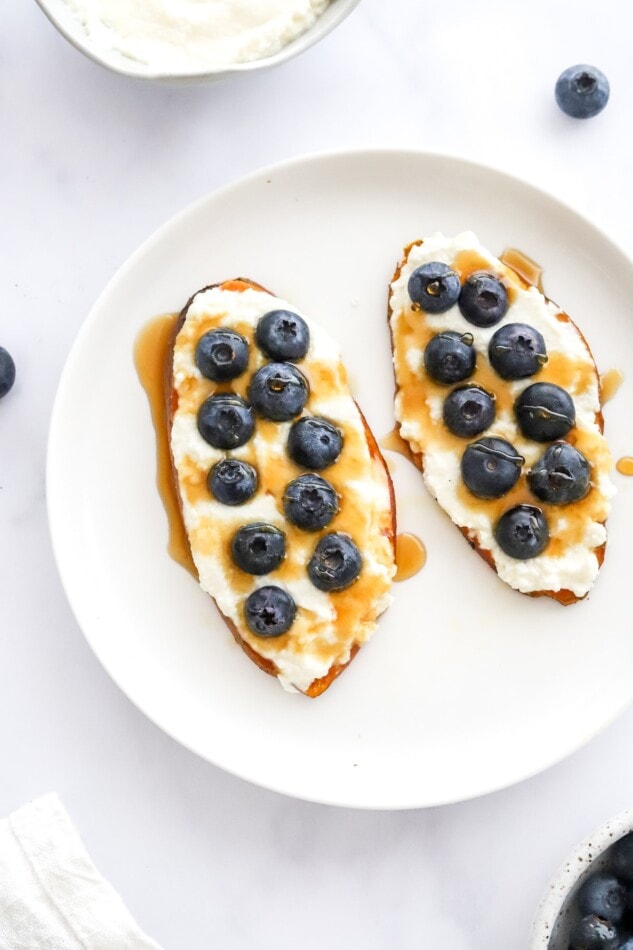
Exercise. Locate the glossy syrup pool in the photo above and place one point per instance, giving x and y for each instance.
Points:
(410, 556)
(524, 266)
(150, 359)
(610, 382)
(394, 442)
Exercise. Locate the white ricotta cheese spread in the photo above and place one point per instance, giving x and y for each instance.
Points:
(188, 35)
(574, 567)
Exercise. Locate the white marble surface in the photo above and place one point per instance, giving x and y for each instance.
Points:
(90, 164)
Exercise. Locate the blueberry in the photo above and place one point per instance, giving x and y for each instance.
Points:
(516, 351)
(269, 611)
(7, 371)
(522, 532)
(490, 467)
(593, 933)
(310, 502)
(336, 562)
(561, 475)
(258, 548)
(450, 357)
(314, 442)
(545, 412)
(622, 858)
(283, 335)
(483, 300)
(278, 391)
(582, 91)
(221, 355)
(468, 410)
(232, 482)
(602, 895)
(225, 421)
(434, 287)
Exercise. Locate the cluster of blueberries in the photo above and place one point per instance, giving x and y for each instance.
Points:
(604, 904)
(278, 391)
(544, 412)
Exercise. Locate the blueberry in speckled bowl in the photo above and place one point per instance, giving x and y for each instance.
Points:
(585, 883)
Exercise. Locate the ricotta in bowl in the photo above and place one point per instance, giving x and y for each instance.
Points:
(184, 36)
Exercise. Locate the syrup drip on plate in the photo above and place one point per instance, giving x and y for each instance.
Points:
(410, 556)
(610, 382)
(394, 442)
(524, 266)
(625, 465)
(150, 358)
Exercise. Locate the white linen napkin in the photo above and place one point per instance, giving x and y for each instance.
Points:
(51, 895)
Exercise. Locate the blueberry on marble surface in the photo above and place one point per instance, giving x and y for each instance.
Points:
(7, 371)
(278, 391)
(468, 410)
(434, 287)
(450, 357)
(232, 481)
(269, 611)
(490, 467)
(582, 91)
(483, 299)
(283, 335)
(225, 421)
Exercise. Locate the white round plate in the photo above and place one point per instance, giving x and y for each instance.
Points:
(466, 686)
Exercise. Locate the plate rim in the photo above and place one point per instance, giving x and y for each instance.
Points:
(54, 513)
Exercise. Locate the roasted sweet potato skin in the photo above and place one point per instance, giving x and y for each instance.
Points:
(318, 686)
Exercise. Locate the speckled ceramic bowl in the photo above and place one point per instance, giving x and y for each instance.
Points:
(69, 26)
(558, 909)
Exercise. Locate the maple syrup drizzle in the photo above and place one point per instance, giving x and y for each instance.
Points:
(150, 356)
(410, 556)
(610, 382)
(394, 442)
(625, 465)
(527, 269)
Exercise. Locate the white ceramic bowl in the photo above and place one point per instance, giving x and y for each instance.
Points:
(558, 908)
(69, 26)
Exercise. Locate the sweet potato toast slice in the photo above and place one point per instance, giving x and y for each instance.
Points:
(558, 545)
(322, 628)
